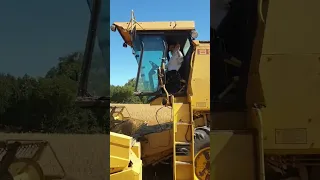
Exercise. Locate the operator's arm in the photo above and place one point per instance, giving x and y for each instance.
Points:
(176, 60)
(179, 53)
(179, 56)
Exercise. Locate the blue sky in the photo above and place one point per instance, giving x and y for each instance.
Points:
(149, 10)
(34, 34)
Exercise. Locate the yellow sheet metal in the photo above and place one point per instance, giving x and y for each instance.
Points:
(125, 162)
(120, 147)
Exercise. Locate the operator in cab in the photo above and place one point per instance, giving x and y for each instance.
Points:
(173, 79)
(176, 59)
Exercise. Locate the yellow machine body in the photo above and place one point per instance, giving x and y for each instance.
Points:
(291, 91)
(289, 72)
(189, 111)
(125, 154)
(278, 136)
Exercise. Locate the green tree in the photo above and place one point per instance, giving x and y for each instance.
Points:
(46, 104)
(124, 94)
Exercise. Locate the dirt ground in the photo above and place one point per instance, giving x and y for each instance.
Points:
(83, 157)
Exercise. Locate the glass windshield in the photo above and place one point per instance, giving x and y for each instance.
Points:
(99, 77)
(152, 47)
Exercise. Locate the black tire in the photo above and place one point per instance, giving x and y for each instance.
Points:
(202, 141)
(201, 138)
(6, 176)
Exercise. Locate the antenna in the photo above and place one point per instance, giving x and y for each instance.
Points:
(132, 16)
(132, 21)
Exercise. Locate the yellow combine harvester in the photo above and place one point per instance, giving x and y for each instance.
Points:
(179, 149)
(265, 91)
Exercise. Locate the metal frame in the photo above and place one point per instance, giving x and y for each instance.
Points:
(87, 57)
(12, 148)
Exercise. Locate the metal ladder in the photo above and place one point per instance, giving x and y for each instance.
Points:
(183, 142)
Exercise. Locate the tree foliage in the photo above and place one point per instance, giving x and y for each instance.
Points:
(124, 94)
(47, 104)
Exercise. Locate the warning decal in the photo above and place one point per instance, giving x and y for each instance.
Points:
(291, 136)
(203, 51)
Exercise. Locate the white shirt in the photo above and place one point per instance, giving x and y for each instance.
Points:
(175, 60)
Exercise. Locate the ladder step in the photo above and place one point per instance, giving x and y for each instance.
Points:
(183, 163)
(183, 143)
(183, 124)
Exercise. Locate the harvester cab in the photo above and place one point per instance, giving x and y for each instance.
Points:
(150, 46)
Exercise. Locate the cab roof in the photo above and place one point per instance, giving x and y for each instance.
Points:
(124, 28)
